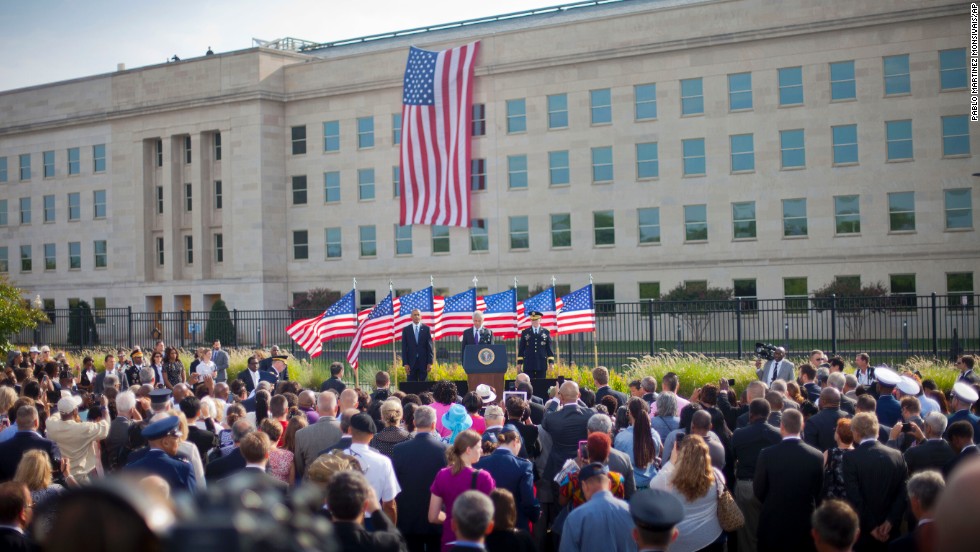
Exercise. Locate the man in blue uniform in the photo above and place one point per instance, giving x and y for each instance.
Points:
(964, 396)
(164, 438)
(534, 352)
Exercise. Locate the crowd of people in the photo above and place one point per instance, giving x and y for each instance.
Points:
(814, 456)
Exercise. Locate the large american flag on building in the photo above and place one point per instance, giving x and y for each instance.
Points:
(577, 313)
(500, 313)
(457, 314)
(339, 320)
(404, 305)
(543, 302)
(374, 331)
(437, 103)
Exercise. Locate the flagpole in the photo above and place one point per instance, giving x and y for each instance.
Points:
(595, 347)
(517, 342)
(557, 348)
(394, 360)
(354, 285)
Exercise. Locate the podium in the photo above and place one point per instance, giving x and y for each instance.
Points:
(485, 364)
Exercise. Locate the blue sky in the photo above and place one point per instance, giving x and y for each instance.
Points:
(52, 40)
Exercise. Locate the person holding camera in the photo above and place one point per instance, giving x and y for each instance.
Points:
(777, 367)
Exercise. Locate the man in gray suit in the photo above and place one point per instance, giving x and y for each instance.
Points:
(126, 415)
(324, 434)
(220, 359)
(777, 368)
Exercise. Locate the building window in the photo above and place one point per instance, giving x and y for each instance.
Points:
(396, 178)
(790, 86)
(3, 212)
(558, 173)
(159, 155)
(740, 91)
(898, 135)
(842, 86)
(746, 289)
(952, 69)
(75, 205)
(331, 187)
(956, 136)
(4, 260)
(74, 161)
(795, 294)
(794, 217)
(396, 129)
(189, 250)
(647, 161)
(369, 241)
(600, 105)
(518, 233)
(98, 158)
(440, 239)
(743, 152)
(558, 111)
(299, 190)
(365, 132)
(26, 263)
(743, 220)
(217, 146)
(25, 166)
(332, 239)
(561, 230)
(48, 202)
(958, 206)
(301, 245)
(847, 214)
(479, 236)
(159, 201)
(645, 102)
(478, 174)
(902, 284)
(605, 299)
(845, 144)
(298, 137)
(517, 172)
(331, 136)
(160, 252)
(217, 199)
(692, 97)
(75, 254)
(693, 151)
(792, 151)
(602, 164)
(649, 291)
(959, 286)
(403, 240)
(102, 254)
(47, 158)
(219, 248)
(25, 210)
(3, 169)
(50, 257)
(99, 202)
(479, 125)
(896, 69)
(695, 223)
(648, 224)
(901, 211)
(365, 184)
(188, 197)
(187, 149)
(516, 116)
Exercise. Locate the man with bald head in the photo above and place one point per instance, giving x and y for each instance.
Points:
(777, 368)
(821, 427)
(567, 426)
(324, 434)
(348, 400)
(477, 335)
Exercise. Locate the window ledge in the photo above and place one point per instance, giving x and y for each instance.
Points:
(958, 156)
(742, 172)
(568, 185)
(516, 189)
(848, 235)
(796, 237)
(736, 240)
(480, 191)
(695, 241)
(561, 248)
(648, 244)
(607, 123)
(899, 95)
(844, 100)
(901, 232)
(791, 106)
(522, 250)
(647, 120)
(800, 168)
(700, 175)
(958, 230)
(851, 164)
(403, 255)
(557, 128)
(371, 200)
(743, 110)
(906, 160)
(648, 179)
(480, 252)
(689, 115)
(603, 245)
(602, 182)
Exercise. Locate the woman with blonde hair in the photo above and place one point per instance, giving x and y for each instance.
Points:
(34, 471)
(7, 399)
(690, 477)
(455, 479)
(392, 434)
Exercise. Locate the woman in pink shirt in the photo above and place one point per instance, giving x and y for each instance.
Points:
(455, 479)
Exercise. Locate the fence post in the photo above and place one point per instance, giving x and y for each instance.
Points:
(234, 313)
(680, 346)
(833, 324)
(738, 325)
(180, 330)
(129, 324)
(935, 327)
(653, 340)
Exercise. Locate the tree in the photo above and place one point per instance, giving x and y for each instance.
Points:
(317, 299)
(16, 313)
(220, 327)
(81, 326)
(693, 304)
(852, 302)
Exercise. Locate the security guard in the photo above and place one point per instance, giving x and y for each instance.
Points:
(535, 346)
(164, 438)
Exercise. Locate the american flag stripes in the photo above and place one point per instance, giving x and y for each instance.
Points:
(339, 320)
(437, 102)
(404, 305)
(374, 331)
(457, 314)
(543, 302)
(577, 313)
(500, 313)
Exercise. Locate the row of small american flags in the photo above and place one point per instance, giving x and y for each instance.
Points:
(503, 314)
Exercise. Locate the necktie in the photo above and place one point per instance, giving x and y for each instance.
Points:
(772, 376)
(476, 336)
(416, 333)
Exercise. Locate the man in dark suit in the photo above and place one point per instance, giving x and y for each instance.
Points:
(203, 439)
(821, 427)
(335, 381)
(233, 462)
(534, 354)
(26, 438)
(967, 375)
(567, 427)
(874, 478)
(98, 386)
(747, 443)
(118, 437)
(932, 452)
(349, 498)
(416, 463)
(808, 381)
(961, 438)
(515, 474)
(518, 414)
(252, 376)
(600, 375)
(16, 507)
(787, 482)
(477, 335)
(417, 349)
(924, 490)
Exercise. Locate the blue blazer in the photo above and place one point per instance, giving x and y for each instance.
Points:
(13, 449)
(517, 476)
(225, 466)
(969, 417)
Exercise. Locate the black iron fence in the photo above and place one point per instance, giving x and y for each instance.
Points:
(889, 328)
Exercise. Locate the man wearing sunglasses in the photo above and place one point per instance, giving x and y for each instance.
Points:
(965, 365)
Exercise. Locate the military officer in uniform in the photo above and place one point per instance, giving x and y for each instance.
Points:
(534, 353)
(164, 438)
